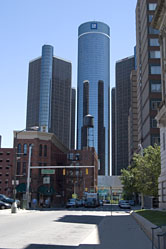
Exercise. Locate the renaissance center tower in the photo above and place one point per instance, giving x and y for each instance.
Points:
(94, 67)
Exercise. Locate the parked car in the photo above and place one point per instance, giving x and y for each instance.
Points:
(132, 202)
(4, 205)
(71, 203)
(124, 204)
(79, 203)
(6, 199)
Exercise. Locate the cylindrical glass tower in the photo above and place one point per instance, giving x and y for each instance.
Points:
(94, 66)
(45, 88)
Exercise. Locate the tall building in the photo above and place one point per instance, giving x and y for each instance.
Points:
(94, 67)
(73, 111)
(133, 118)
(148, 73)
(49, 95)
(123, 96)
(159, 22)
(113, 110)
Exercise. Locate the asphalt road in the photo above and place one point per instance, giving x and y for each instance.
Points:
(51, 229)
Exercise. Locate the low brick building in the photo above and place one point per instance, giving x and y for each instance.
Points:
(56, 173)
(6, 174)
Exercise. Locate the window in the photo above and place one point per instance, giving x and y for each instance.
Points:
(154, 54)
(6, 181)
(18, 168)
(155, 86)
(155, 69)
(25, 149)
(0, 167)
(70, 156)
(24, 168)
(153, 31)
(40, 150)
(1, 153)
(7, 167)
(153, 123)
(155, 104)
(155, 140)
(19, 148)
(152, 6)
(150, 17)
(1, 160)
(8, 160)
(7, 153)
(7, 174)
(45, 150)
(154, 42)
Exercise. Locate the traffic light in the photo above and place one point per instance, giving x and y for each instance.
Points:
(64, 172)
(86, 171)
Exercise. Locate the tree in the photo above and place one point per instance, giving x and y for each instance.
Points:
(142, 175)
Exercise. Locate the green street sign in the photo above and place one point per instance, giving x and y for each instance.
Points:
(48, 171)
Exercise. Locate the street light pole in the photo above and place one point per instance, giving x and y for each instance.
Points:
(28, 176)
(14, 204)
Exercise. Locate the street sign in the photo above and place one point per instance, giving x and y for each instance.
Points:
(48, 171)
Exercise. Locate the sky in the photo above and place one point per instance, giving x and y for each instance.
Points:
(26, 25)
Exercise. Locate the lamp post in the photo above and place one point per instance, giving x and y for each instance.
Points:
(28, 176)
(14, 204)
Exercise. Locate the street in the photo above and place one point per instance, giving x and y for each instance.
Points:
(55, 229)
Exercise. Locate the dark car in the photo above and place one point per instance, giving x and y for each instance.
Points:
(71, 203)
(132, 202)
(8, 200)
(4, 205)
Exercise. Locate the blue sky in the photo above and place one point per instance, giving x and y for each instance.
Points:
(26, 25)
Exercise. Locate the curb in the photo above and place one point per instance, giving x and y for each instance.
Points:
(146, 226)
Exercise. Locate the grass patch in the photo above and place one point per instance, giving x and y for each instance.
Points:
(156, 217)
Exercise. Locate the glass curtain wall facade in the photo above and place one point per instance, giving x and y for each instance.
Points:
(49, 96)
(94, 66)
(45, 87)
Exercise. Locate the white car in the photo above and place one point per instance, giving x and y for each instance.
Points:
(124, 204)
(71, 203)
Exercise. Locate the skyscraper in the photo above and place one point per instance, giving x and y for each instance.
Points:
(94, 67)
(123, 96)
(113, 110)
(73, 108)
(148, 73)
(49, 95)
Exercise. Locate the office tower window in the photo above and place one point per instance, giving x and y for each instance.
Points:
(153, 123)
(155, 104)
(154, 54)
(152, 6)
(154, 42)
(155, 140)
(153, 31)
(155, 69)
(150, 17)
(155, 86)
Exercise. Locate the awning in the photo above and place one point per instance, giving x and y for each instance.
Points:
(46, 190)
(21, 188)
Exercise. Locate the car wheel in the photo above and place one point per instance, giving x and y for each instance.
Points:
(2, 207)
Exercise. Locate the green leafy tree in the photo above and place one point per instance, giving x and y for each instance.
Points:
(142, 175)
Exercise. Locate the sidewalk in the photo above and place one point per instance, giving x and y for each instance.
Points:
(117, 232)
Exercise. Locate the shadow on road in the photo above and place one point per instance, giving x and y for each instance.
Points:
(84, 219)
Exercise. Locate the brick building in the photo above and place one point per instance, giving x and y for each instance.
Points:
(63, 174)
(6, 166)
